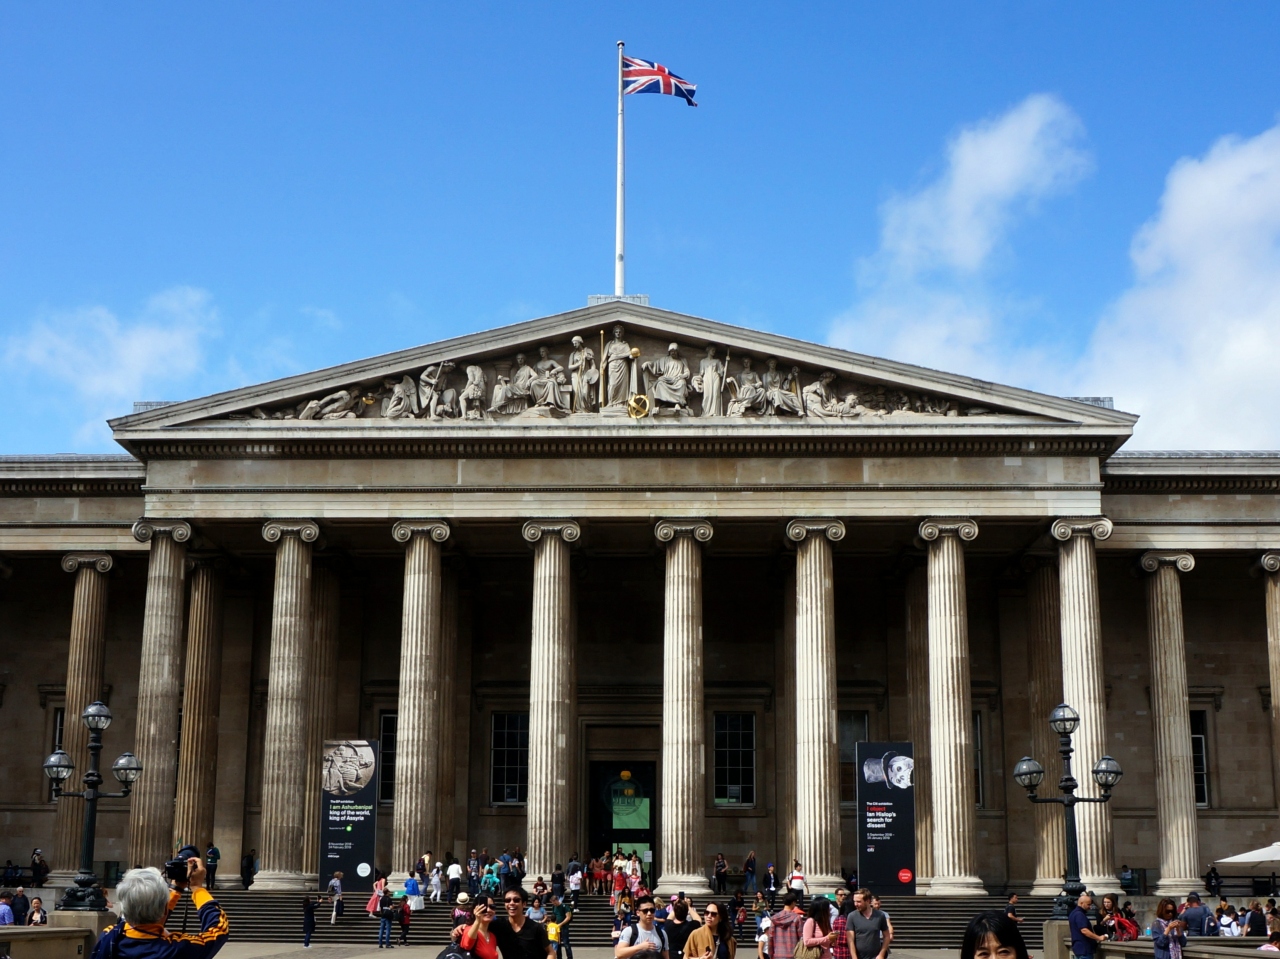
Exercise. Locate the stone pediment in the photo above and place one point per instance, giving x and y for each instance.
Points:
(614, 366)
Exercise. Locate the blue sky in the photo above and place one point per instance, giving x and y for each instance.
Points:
(1080, 198)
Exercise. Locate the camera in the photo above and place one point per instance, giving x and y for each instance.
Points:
(176, 869)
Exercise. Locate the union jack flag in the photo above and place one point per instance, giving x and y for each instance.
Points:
(645, 76)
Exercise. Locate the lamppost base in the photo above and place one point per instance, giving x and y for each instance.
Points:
(82, 919)
(83, 897)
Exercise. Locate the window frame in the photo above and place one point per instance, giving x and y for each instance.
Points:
(979, 760)
(387, 769)
(842, 765)
(521, 781)
(1201, 778)
(717, 750)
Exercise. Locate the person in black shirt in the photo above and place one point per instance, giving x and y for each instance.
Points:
(519, 937)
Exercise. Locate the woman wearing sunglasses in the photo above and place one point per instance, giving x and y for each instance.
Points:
(714, 940)
(476, 938)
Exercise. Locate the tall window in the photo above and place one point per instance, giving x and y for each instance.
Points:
(851, 729)
(1200, 755)
(387, 742)
(510, 759)
(735, 750)
(978, 783)
(59, 724)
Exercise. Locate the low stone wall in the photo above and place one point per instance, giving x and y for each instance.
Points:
(46, 942)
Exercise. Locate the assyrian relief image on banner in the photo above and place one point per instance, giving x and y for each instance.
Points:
(887, 818)
(349, 812)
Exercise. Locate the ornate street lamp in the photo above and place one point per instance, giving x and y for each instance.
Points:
(1029, 774)
(87, 892)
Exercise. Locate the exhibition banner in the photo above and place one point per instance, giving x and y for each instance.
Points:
(886, 818)
(349, 812)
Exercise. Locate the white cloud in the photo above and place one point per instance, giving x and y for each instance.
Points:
(103, 363)
(1194, 345)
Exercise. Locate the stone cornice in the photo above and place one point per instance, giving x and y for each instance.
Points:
(932, 528)
(667, 530)
(535, 529)
(1065, 527)
(144, 530)
(798, 529)
(1152, 560)
(404, 530)
(102, 562)
(306, 530)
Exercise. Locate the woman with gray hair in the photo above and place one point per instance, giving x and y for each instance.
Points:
(144, 900)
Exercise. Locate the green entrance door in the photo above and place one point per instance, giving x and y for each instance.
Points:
(623, 799)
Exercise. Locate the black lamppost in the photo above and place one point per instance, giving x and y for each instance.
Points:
(87, 893)
(1030, 774)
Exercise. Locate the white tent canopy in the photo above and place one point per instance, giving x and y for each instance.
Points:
(1258, 860)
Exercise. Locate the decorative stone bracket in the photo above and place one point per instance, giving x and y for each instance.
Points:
(1064, 527)
(102, 562)
(144, 530)
(404, 530)
(668, 529)
(535, 529)
(932, 528)
(799, 529)
(306, 530)
(1152, 560)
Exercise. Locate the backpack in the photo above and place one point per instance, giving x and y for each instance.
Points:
(634, 932)
(1126, 929)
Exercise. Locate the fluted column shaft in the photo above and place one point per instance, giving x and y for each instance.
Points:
(1171, 724)
(1044, 668)
(1083, 687)
(159, 681)
(684, 769)
(288, 684)
(202, 692)
(86, 658)
(817, 750)
(448, 779)
(918, 705)
(551, 698)
(1270, 566)
(323, 672)
(422, 679)
(951, 715)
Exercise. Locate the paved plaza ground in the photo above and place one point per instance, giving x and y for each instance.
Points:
(277, 950)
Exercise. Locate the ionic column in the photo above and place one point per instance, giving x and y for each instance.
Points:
(447, 783)
(85, 661)
(918, 706)
(325, 602)
(202, 691)
(1044, 668)
(288, 684)
(817, 749)
(552, 697)
(684, 761)
(1269, 563)
(159, 682)
(421, 683)
(1171, 723)
(1083, 686)
(955, 870)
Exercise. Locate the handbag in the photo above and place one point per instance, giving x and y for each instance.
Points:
(806, 952)
(454, 951)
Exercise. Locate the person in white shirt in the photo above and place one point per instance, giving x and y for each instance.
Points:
(454, 873)
(796, 879)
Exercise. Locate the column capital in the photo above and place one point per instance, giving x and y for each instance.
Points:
(1065, 527)
(935, 526)
(305, 529)
(1152, 560)
(668, 529)
(102, 562)
(144, 530)
(405, 529)
(1269, 562)
(535, 529)
(798, 529)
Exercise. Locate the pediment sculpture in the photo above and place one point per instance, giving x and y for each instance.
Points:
(617, 380)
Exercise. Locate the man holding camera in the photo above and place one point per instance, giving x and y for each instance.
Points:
(145, 898)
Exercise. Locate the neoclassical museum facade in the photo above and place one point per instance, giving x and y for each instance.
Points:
(624, 544)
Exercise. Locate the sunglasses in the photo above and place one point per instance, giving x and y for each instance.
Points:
(710, 912)
(646, 910)
(513, 901)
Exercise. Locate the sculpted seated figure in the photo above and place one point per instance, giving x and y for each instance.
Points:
(549, 388)
(667, 379)
(749, 395)
(511, 393)
(820, 400)
(782, 393)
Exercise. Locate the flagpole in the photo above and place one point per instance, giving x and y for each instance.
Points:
(619, 265)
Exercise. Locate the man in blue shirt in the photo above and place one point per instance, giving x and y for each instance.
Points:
(1197, 917)
(6, 912)
(504, 870)
(1083, 939)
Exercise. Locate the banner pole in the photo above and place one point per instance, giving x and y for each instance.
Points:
(619, 266)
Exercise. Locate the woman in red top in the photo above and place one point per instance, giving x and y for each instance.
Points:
(476, 938)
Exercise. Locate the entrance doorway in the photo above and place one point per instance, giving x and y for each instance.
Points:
(623, 808)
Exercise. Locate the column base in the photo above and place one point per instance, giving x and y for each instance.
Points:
(692, 883)
(274, 881)
(1045, 887)
(60, 879)
(956, 886)
(1105, 884)
(826, 884)
(1177, 889)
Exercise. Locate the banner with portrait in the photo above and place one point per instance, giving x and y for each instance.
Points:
(349, 812)
(886, 818)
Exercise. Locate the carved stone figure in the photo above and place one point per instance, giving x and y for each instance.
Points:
(335, 406)
(710, 383)
(471, 399)
(820, 399)
(617, 366)
(583, 377)
(549, 387)
(511, 393)
(667, 379)
(435, 398)
(782, 393)
(403, 399)
(748, 389)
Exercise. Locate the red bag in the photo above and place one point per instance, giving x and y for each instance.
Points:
(1126, 929)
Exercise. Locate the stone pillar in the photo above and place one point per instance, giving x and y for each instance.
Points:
(918, 706)
(1171, 723)
(447, 782)
(323, 672)
(1083, 686)
(288, 685)
(1269, 563)
(159, 683)
(421, 681)
(684, 759)
(86, 658)
(201, 697)
(552, 697)
(817, 749)
(1044, 668)
(955, 870)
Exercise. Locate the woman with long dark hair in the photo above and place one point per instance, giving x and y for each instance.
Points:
(816, 931)
(476, 938)
(714, 939)
(993, 935)
(1168, 932)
